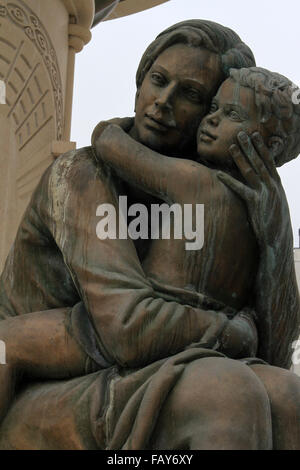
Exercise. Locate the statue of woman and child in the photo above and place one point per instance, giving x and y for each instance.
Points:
(141, 344)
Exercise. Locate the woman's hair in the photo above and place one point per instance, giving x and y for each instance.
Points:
(199, 33)
(273, 98)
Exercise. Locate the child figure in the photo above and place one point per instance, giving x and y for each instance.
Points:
(251, 101)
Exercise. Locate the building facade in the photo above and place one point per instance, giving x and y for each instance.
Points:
(38, 43)
(296, 356)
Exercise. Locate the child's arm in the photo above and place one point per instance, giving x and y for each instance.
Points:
(154, 173)
(140, 165)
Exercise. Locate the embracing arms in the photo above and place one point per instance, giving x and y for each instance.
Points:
(132, 324)
(172, 179)
(153, 172)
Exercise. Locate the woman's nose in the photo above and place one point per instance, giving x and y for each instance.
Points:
(166, 96)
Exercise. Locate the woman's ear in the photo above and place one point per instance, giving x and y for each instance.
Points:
(136, 98)
(276, 145)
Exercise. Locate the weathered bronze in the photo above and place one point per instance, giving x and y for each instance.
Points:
(153, 346)
(102, 9)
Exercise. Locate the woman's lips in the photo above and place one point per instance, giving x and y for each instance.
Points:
(159, 124)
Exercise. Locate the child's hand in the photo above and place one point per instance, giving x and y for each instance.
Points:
(124, 123)
(239, 339)
(263, 193)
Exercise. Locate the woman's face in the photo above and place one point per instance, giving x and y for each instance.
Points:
(174, 97)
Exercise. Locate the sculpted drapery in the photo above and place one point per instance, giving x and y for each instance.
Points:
(138, 332)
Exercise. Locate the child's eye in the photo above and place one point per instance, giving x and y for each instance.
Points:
(234, 115)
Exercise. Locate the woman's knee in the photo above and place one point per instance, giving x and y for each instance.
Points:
(282, 386)
(219, 401)
(220, 387)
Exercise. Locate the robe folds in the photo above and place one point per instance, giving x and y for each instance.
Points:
(138, 333)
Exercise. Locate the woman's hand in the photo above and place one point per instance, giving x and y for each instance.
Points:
(276, 294)
(263, 193)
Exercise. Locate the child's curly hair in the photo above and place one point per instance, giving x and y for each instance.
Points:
(273, 97)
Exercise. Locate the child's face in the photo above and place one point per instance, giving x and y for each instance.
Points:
(232, 110)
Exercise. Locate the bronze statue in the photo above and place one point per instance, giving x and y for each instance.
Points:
(153, 331)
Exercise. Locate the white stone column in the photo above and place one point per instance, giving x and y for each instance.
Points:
(38, 43)
(296, 367)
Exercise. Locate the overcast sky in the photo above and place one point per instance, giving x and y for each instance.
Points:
(105, 69)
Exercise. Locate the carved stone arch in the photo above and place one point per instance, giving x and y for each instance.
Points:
(33, 113)
(34, 66)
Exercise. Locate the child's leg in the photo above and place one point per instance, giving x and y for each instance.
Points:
(39, 345)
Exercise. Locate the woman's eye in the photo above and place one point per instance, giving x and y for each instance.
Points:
(213, 109)
(193, 95)
(157, 79)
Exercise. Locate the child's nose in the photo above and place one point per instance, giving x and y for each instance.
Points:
(214, 118)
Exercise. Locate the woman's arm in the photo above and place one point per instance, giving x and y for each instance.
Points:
(277, 295)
